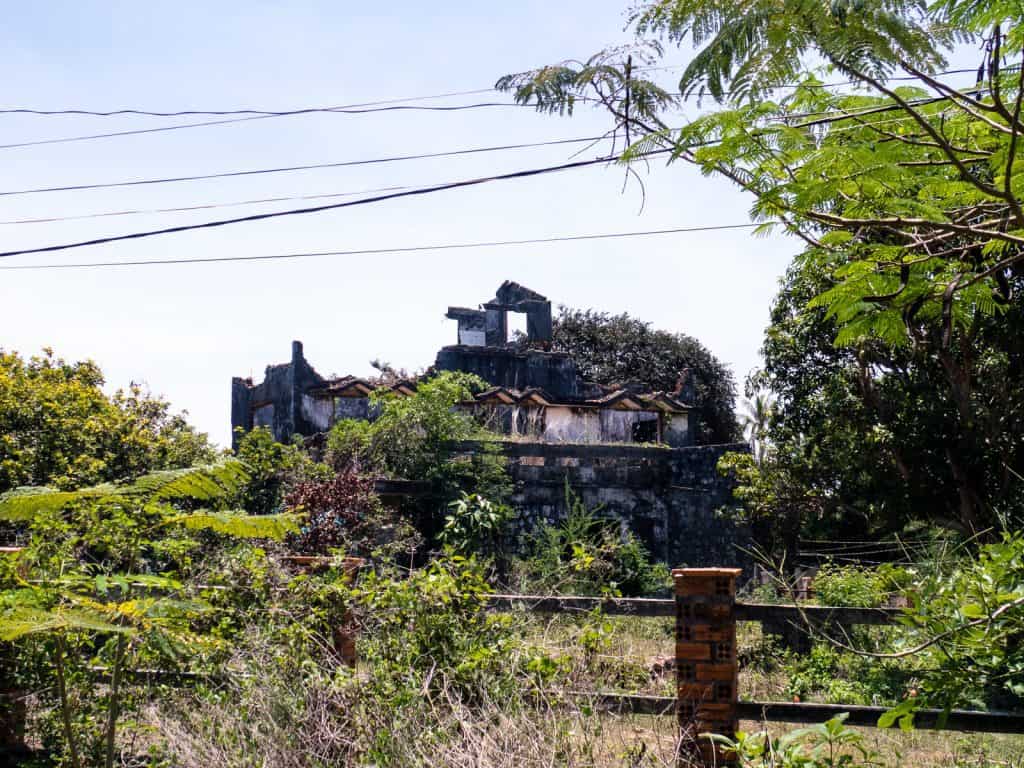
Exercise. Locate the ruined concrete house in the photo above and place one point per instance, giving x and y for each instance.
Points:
(626, 449)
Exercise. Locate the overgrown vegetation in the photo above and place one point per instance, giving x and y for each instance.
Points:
(894, 366)
(586, 554)
(57, 427)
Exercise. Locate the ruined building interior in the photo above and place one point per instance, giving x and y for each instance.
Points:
(534, 393)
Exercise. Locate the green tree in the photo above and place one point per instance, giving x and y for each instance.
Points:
(882, 434)
(107, 562)
(57, 427)
(907, 198)
(617, 349)
(910, 187)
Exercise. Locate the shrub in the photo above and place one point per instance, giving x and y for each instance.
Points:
(850, 585)
(337, 512)
(829, 745)
(432, 630)
(411, 438)
(474, 524)
(589, 555)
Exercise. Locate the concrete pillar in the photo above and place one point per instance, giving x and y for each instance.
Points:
(706, 666)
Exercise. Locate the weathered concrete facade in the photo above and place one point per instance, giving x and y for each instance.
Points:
(535, 393)
(280, 401)
(625, 450)
(668, 497)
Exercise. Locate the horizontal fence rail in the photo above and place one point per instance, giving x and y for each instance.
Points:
(928, 719)
(809, 713)
(666, 607)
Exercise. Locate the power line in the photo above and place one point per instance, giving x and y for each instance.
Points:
(226, 112)
(379, 251)
(292, 168)
(319, 208)
(258, 116)
(354, 108)
(199, 207)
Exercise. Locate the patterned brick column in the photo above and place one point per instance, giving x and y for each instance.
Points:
(706, 659)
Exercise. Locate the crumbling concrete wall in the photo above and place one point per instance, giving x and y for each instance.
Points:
(553, 372)
(277, 402)
(668, 497)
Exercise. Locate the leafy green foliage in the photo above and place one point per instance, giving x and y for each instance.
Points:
(57, 427)
(841, 677)
(828, 745)
(852, 586)
(474, 524)
(412, 437)
(619, 349)
(878, 436)
(431, 630)
(971, 620)
(586, 554)
(916, 200)
(273, 467)
(90, 555)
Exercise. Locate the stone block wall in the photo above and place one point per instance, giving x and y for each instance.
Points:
(668, 497)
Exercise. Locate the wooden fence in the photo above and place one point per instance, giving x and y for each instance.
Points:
(706, 611)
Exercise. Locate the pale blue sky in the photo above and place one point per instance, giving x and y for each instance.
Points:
(185, 330)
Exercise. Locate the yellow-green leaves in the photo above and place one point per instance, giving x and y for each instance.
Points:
(25, 620)
(240, 524)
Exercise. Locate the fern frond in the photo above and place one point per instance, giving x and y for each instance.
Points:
(25, 503)
(212, 482)
(23, 620)
(240, 524)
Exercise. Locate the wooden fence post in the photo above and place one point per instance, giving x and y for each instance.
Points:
(706, 666)
(343, 636)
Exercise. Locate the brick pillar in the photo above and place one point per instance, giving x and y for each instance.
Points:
(706, 660)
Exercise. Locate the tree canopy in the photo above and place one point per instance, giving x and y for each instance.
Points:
(873, 436)
(894, 351)
(907, 186)
(616, 349)
(59, 428)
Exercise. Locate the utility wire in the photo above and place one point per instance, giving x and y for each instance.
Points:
(320, 208)
(255, 114)
(199, 207)
(291, 168)
(261, 116)
(378, 251)
(353, 108)
(227, 112)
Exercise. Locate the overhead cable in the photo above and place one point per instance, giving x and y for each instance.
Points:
(292, 168)
(259, 116)
(380, 251)
(320, 208)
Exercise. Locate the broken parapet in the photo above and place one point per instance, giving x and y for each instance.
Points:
(488, 327)
(276, 402)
